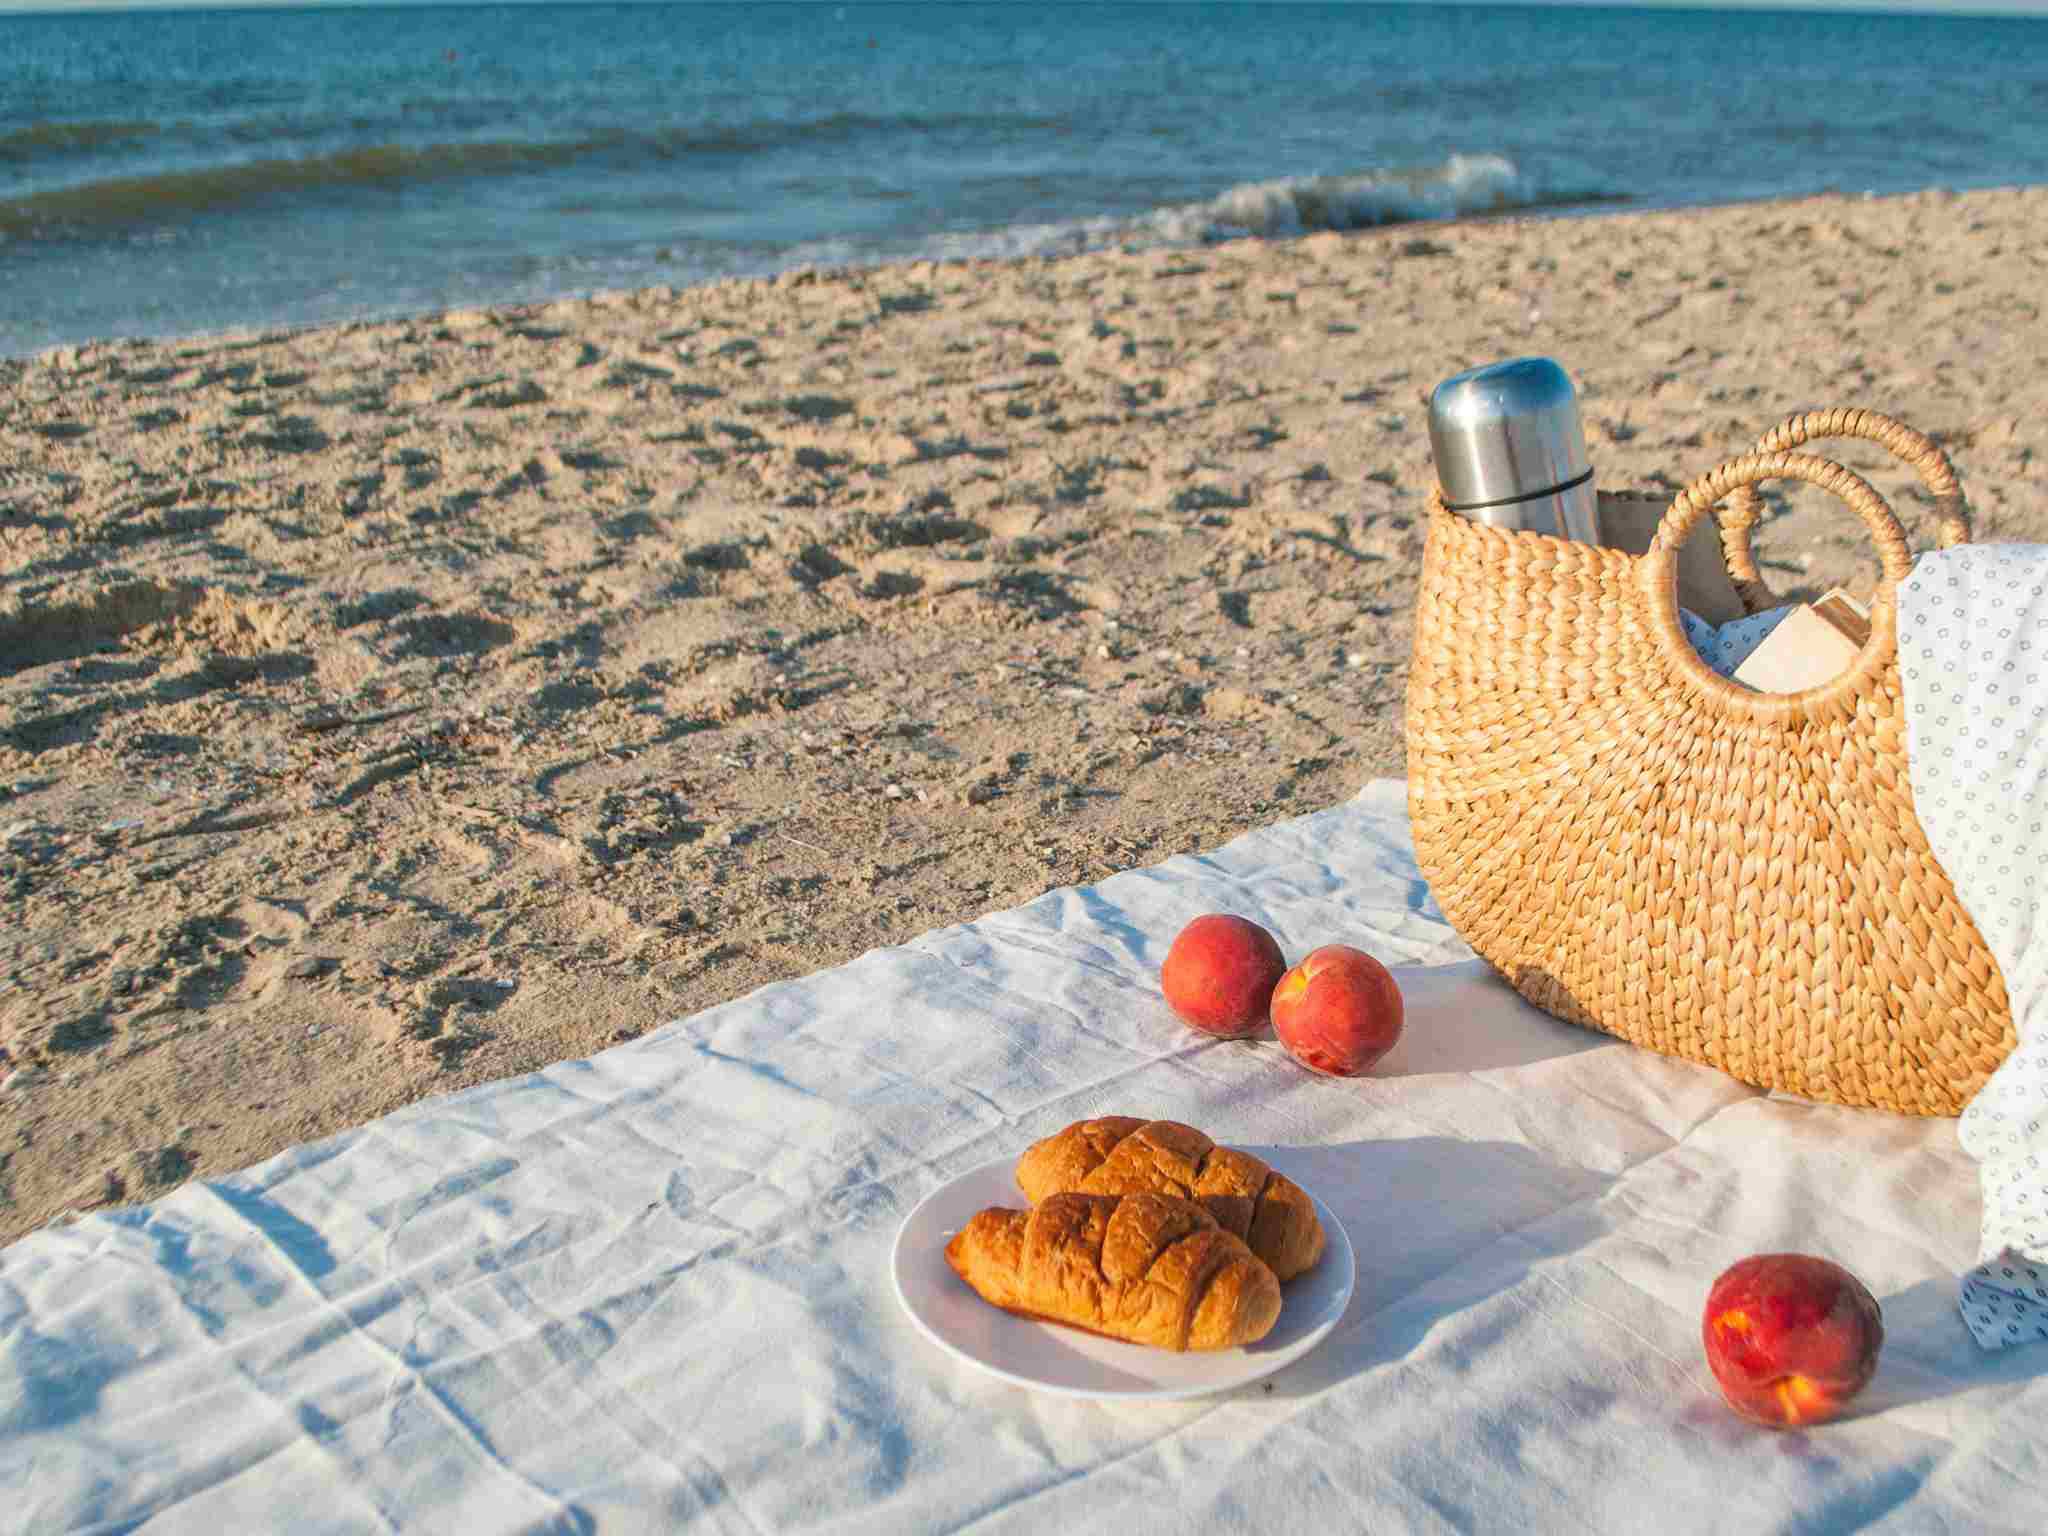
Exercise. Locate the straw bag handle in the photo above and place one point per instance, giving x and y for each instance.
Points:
(1834, 699)
(1739, 516)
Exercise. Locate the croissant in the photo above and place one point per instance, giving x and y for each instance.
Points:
(1120, 1155)
(1149, 1269)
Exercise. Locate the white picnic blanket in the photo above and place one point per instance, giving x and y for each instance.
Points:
(650, 1291)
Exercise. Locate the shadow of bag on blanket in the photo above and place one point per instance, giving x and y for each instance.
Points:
(1464, 1017)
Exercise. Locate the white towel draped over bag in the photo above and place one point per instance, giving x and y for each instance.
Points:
(1973, 655)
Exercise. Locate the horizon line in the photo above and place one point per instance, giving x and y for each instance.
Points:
(1989, 10)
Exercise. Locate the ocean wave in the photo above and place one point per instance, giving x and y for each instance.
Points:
(1461, 185)
(110, 203)
(458, 116)
(129, 200)
(1294, 205)
(52, 139)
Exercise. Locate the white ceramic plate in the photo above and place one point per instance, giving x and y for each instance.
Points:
(1067, 1361)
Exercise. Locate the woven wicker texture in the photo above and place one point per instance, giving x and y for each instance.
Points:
(1744, 507)
(1644, 847)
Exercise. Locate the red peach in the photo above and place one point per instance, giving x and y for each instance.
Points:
(1791, 1338)
(1338, 1011)
(1219, 974)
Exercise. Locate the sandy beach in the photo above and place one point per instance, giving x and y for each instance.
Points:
(394, 707)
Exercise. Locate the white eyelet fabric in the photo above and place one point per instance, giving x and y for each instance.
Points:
(1973, 654)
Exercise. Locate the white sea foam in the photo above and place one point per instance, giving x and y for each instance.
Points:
(1278, 209)
(1297, 205)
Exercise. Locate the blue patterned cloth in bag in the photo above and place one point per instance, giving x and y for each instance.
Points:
(1728, 647)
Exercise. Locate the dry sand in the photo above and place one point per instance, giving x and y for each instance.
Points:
(389, 708)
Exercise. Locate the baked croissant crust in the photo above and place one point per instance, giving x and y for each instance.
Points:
(1148, 1269)
(1121, 1155)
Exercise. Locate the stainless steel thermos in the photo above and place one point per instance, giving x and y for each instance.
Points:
(1511, 451)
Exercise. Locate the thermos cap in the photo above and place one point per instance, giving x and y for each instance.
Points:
(1505, 432)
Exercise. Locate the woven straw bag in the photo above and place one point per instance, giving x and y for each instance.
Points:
(1643, 847)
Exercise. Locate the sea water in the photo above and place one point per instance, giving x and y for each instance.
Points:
(166, 173)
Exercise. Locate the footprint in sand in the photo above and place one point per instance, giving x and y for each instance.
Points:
(34, 636)
(442, 635)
